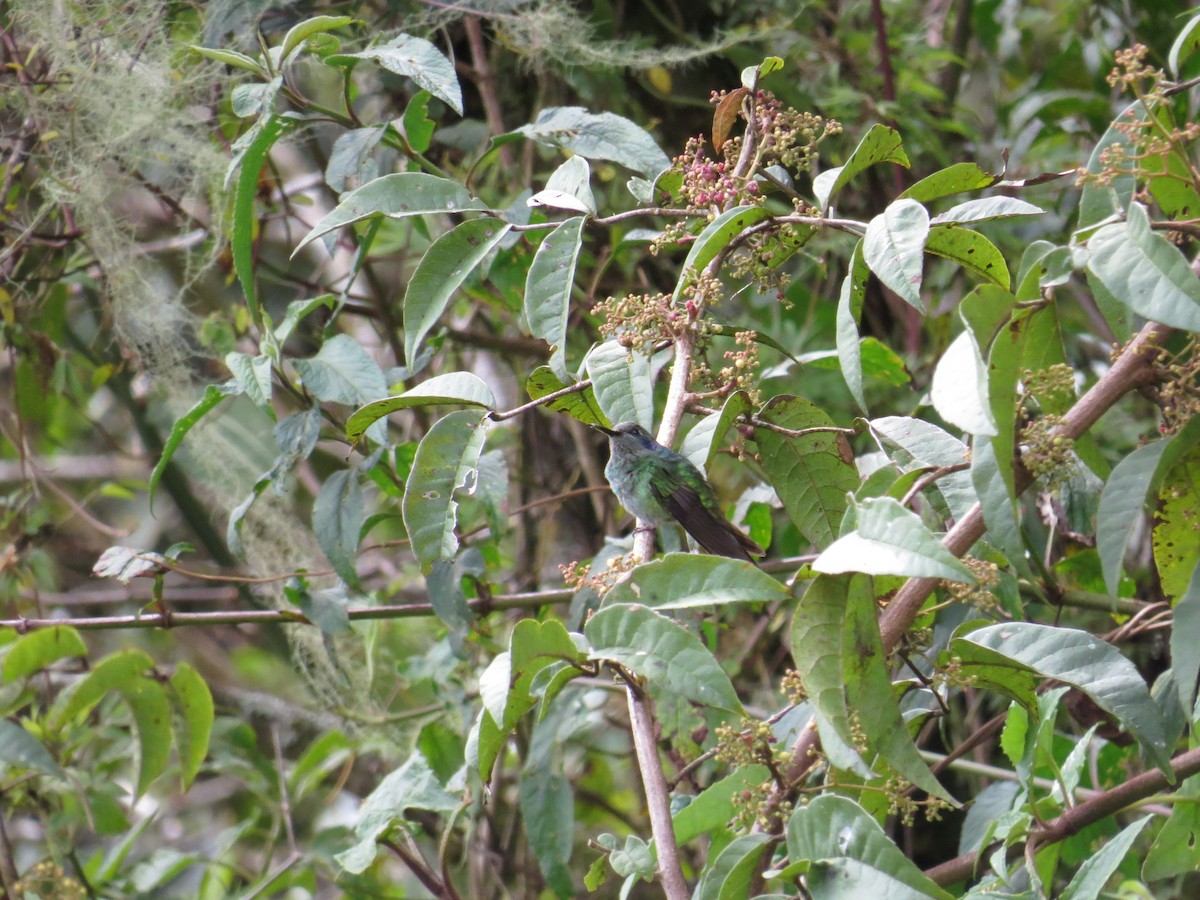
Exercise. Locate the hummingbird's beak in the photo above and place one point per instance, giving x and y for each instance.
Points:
(604, 430)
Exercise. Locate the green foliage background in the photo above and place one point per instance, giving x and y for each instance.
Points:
(310, 579)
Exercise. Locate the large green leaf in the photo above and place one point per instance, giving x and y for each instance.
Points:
(955, 179)
(715, 237)
(547, 802)
(819, 654)
(35, 651)
(1145, 271)
(1185, 644)
(253, 150)
(395, 196)
(808, 473)
(682, 580)
(969, 249)
(412, 786)
(891, 540)
(581, 404)
(735, 870)
(870, 694)
(450, 389)
(700, 444)
(663, 652)
(1093, 875)
(446, 461)
(1083, 661)
(1176, 849)
(414, 58)
(621, 384)
(959, 389)
(195, 704)
(849, 311)
(147, 700)
(598, 136)
(894, 248)
(880, 144)
(917, 444)
(109, 674)
(337, 518)
(548, 289)
(342, 372)
(1176, 549)
(442, 270)
(831, 832)
(712, 809)
(20, 749)
(984, 209)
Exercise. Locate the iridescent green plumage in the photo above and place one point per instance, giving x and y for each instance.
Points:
(658, 486)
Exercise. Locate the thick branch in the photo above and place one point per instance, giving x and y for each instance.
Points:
(1079, 817)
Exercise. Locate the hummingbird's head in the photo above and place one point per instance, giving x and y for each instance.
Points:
(628, 433)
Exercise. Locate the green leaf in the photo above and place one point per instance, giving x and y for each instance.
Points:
(342, 372)
(923, 445)
(253, 376)
(109, 674)
(1093, 875)
(441, 272)
(297, 311)
(1176, 849)
(20, 749)
(891, 540)
(1085, 662)
(395, 196)
(735, 870)
(597, 136)
(337, 517)
(663, 652)
(412, 786)
(1187, 42)
(548, 289)
(569, 187)
(252, 155)
(819, 653)
(986, 208)
(712, 809)
(35, 651)
(1145, 271)
(971, 250)
(446, 461)
(418, 127)
(194, 700)
(956, 179)
(1125, 493)
(213, 395)
(832, 830)
(581, 405)
(621, 383)
(302, 31)
(959, 390)
(849, 312)
(684, 580)
(350, 157)
(700, 444)
(414, 58)
(1185, 644)
(869, 693)
(324, 608)
(451, 388)
(147, 701)
(808, 473)
(894, 248)
(880, 144)
(231, 58)
(547, 802)
(1176, 550)
(715, 237)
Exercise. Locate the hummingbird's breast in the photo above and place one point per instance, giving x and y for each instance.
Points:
(630, 476)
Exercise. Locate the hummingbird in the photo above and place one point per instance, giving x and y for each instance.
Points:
(658, 485)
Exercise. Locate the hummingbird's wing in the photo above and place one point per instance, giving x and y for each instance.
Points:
(703, 521)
